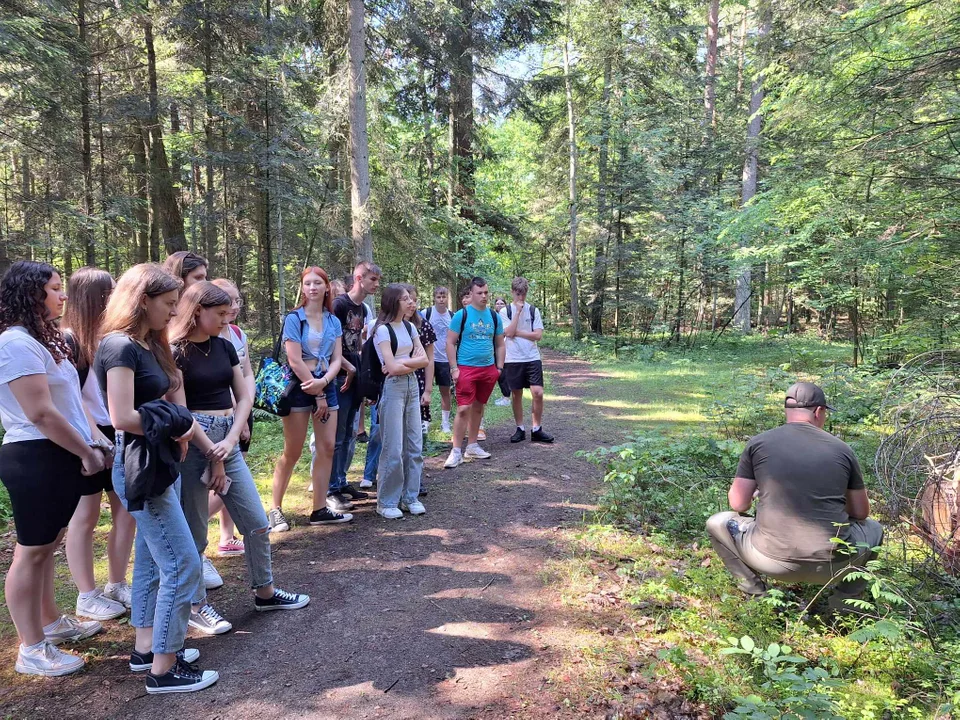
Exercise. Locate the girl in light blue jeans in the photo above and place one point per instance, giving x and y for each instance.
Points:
(401, 459)
(216, 393)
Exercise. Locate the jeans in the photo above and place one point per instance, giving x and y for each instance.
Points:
(374, 446)
(166, 566)
(735, 547)
(401, 459)
(346, 438)
(241, 500)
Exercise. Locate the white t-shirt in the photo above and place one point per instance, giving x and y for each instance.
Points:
(93, 400)
(440, 323)
(22, 355)
(520, 350)
(404, 339)
(237, 338)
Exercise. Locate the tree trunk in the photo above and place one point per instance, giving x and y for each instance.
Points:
(603, 205)
(209, 214)
(572, 140)
(86, 161)
(141, 182)
(461, 110)
(709, 89)
(359, 147)
(750, 166)
(429, 189)
(171, 221)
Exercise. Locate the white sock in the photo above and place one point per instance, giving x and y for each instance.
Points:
(458, 451)
(534, 428)
(32, 648)
(85, 595)
(445, 416)
(521, 427)
(52, 625)
(474, 445)
(114, 586)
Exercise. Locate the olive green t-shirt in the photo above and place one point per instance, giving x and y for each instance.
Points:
(802, 474)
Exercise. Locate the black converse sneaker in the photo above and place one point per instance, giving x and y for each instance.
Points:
(281, 600)
(181, 678)
(141, 662)
(353, 493)
(518, 436)
(325, 516)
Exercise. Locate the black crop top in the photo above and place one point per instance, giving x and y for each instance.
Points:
(207, 369)
(150, 382)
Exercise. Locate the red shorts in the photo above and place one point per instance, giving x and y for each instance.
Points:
(476, 383)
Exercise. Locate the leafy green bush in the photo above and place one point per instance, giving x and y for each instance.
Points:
(673, 485)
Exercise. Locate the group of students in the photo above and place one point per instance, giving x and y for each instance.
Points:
(144, 390)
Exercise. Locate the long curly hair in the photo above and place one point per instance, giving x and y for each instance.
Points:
(22, 297)
(125, 312)
(89, 289)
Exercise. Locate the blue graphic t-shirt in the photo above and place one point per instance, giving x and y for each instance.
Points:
(476, 340)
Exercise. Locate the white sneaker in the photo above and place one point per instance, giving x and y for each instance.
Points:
(502, 401)
(366, 483)
(120, 592)
(445, 428)
(475, 452)
(48, 661)
(454, 458)
(211, 578)
(389, 513)
(68, 629)
(99, 607)
(414, 508)
(209, 621)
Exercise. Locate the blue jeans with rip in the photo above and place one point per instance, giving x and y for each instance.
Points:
(166, 565)
(401, 435)
(242, 501)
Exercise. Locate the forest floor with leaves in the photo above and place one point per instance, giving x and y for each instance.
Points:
(461, 613)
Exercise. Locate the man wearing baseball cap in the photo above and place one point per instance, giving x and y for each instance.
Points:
(809, 489)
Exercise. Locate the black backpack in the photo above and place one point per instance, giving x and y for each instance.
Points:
(533, 311)
(370, 377)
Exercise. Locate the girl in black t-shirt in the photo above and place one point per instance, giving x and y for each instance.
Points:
(215, 391)
(135, 368)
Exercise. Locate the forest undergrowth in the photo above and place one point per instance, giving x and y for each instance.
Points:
(669, 619)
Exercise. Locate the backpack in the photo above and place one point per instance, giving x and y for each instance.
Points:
(371, 377)
(533, 311)
(463, 325)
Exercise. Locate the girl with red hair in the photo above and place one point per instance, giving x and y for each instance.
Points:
(312, 340)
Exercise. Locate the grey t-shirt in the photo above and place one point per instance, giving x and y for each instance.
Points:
(803, 474)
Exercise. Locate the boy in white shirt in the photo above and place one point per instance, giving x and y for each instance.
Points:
(523, 328)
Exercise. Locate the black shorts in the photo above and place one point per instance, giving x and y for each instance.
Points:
(245, 444)
(441, 374)
(44, 483)
(523, 375)
(103, 480)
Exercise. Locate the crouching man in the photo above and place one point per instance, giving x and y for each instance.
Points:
(809, 489)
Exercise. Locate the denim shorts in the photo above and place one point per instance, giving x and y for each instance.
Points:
(299, 401)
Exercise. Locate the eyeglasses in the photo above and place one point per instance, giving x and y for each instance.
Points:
(238, 302)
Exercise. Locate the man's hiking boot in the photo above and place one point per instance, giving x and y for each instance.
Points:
(518, 436)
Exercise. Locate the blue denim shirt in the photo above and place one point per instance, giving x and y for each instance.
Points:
(297, 329)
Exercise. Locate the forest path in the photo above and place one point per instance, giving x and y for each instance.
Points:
(448, 615)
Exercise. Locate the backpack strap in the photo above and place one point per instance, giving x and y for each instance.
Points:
(393, 338)
(427, 314)
(496, 322)
(510, 311)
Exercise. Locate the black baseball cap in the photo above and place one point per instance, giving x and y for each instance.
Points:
(805, 395)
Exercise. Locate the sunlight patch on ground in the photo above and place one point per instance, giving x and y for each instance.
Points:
(660, 416)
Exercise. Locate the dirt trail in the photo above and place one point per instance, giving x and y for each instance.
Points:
(441, 616)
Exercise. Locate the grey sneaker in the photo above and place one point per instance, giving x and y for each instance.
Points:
(68, 629)
(48, 661)
(338, 503)
(278, 522)
(99, 607)
(209, 621)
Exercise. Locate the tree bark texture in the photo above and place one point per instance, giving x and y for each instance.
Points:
(710, 82)
(603, 205)
(86, 160)
(359, 146)
(572, 139)
(460, 51)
